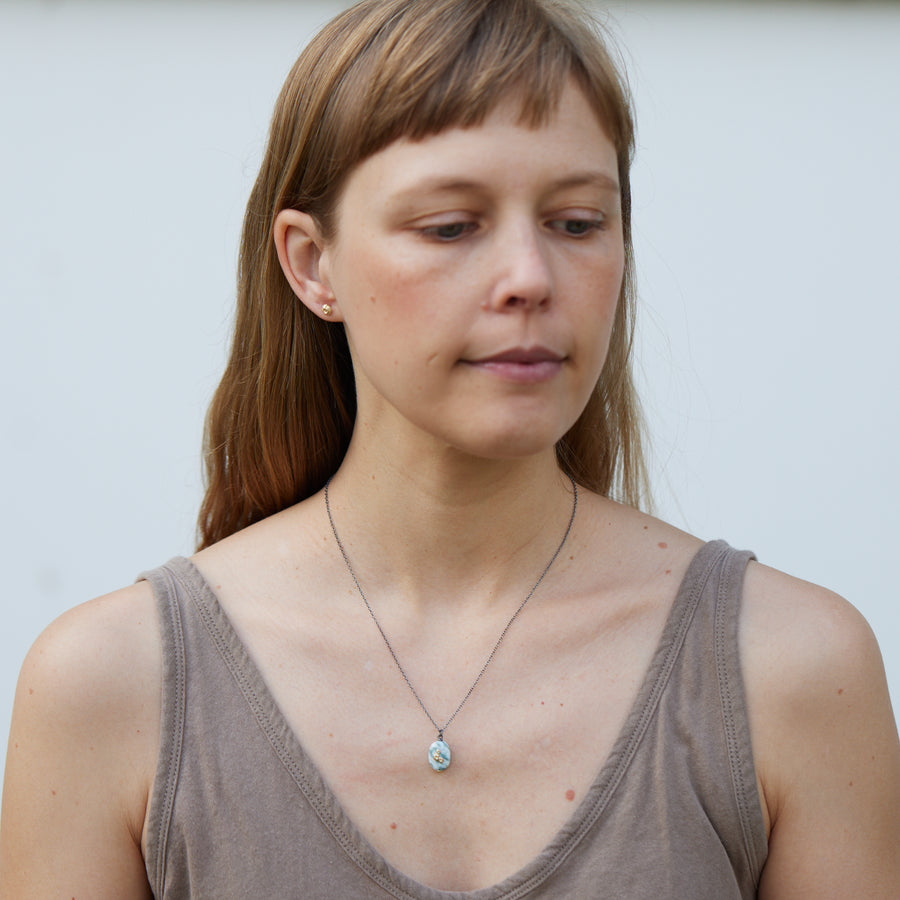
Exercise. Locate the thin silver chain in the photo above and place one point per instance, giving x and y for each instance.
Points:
(440, 728)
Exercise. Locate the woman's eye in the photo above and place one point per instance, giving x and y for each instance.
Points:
(449, 232)
(577, 227)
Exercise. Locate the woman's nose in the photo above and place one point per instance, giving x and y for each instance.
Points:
(523, 274)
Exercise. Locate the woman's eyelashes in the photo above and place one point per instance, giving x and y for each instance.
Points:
(448, 231)
(580, 226)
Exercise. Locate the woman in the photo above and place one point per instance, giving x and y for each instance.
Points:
(422, 651)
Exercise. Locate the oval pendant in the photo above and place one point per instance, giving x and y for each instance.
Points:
(438, 756)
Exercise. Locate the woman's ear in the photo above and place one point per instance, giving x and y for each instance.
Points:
(300, 245)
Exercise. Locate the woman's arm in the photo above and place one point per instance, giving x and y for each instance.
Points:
(82, 753)
(825, 743)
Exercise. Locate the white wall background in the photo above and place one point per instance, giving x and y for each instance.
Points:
(766, 191)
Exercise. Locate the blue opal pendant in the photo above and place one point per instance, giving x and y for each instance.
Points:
(439, 755)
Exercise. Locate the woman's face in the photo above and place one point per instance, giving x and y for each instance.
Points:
(477, 272)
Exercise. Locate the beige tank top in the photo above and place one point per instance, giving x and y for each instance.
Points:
(239, 811)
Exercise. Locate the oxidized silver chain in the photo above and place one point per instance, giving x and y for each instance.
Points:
(439, 751)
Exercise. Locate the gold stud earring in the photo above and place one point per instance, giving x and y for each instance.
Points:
(326, 309)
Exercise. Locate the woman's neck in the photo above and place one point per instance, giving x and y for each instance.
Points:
(450, 528)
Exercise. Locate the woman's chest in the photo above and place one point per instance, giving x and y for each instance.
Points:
(526, 744)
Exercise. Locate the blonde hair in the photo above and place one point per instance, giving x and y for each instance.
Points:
(282, 416)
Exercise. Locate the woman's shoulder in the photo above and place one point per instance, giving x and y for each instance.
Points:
(101, 652)
(808, 654)
(83, 747)
(800, 642)
(93, 675)
(824, 738)
(807, 629)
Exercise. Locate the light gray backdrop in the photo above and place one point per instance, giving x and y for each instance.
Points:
(766, 199)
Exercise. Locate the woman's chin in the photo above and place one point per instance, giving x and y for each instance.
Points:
(511, 444)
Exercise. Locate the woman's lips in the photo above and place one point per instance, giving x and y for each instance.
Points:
(521, 365)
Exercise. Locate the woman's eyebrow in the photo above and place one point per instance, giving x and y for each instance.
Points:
(438, 184)
(459, 184)
(590, 179)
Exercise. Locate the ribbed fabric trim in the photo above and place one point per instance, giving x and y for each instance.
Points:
(171, 738)
(734, 712)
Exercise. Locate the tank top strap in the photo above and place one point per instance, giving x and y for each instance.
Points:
(712, 709)
(172, 722)
(729, 591)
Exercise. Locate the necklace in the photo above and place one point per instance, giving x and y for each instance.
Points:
(439, 751)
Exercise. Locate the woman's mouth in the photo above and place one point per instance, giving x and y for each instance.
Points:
(531, 365)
